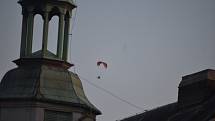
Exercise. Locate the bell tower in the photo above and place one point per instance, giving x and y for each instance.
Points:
(47, 9)
(42, 88)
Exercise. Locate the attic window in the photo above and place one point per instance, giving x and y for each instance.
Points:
(57, 116)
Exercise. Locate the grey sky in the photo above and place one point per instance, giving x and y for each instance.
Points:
(148, 44)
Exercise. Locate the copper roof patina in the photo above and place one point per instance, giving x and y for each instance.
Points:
(42, 81)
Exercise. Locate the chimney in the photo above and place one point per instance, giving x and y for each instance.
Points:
(196, 88)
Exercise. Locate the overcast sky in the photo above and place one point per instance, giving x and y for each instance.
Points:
(148, 46)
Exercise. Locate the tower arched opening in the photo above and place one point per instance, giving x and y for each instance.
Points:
(53, 34)
(38, 33)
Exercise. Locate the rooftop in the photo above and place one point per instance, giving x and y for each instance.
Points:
(195, 101)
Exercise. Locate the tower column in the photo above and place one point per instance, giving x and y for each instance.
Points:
(60, 36)
(66, 38)
(30, 27)
(45, 32)
(24, 35)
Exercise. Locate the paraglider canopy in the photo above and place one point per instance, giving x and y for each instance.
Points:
(101, 63)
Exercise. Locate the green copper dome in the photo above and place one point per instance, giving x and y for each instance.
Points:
(44, 80)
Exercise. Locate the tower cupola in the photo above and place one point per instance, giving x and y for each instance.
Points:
(42, 88)
(47, 9)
